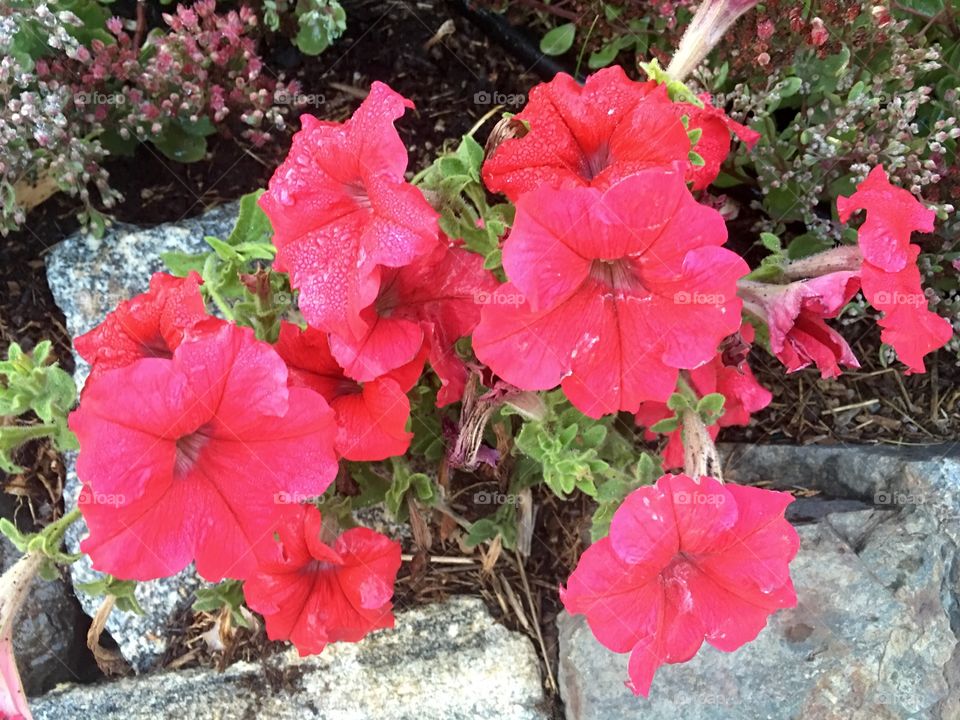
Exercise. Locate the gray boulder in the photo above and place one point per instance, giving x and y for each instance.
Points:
(89, 277)
(875, 633)
(448, 661)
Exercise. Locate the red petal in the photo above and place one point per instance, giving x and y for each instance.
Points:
(892, 214)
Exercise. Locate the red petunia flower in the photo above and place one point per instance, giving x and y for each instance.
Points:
(908, 325)
(436, 300)
(685, 561)
(371, 417)
(889, 275)
(589, 135)
(341, 209)
(892, 214)
(795, 313)
(148, 325)
(743, 394)
(611, 292)
(313, 594)
(714, 144)
(183, 460)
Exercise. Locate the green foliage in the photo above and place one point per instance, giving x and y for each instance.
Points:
(558, 40)
(233, 277)
(453, 181)
(48, 543)
(320, 23)
(573, 451)
(611, 493)
(124, 591)
(31, 383)
(227, 594)
(407, 483)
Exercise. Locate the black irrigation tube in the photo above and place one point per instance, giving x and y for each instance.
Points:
(516, 42)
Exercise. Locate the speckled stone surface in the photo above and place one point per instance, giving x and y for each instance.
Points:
(448, 661)
(89, 277)
(875, 632)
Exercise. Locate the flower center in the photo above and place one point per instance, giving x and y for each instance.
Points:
(188, 452)
(156, 347)
(597, 161)
(358, 193)
(617, 275)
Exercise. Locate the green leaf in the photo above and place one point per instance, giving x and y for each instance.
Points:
(227, 594)
(558, 40)
(123, 590)
(178, 145)
(710, 406)
(771, 242)
(665, 426)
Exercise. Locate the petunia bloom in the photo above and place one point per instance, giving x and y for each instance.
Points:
(889, 275)
(148, 325)
(742, 393)
(685, 561)
(611, 292)
(312, 594)
(795, 313)
(372, 416)
(433, 301)
(892, 214)
(716, 128)
(908, 325)
(341, 209)
(589, 135)
(184, 459)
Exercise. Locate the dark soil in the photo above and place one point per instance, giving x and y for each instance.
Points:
(447, 79)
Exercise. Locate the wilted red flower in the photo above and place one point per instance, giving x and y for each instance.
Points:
(892, 214)
(187, 459)
(341, 209)
(312, 594)
(372, 416)
(435, 300)
(714, 144)
(148, 325)
(589, 135)
(743, 395)
(685, 561)
(909, 326)
(611, 292)
(795, 313)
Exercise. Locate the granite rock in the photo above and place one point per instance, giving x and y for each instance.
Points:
(448, 661)
(875, 632)
(89, 276)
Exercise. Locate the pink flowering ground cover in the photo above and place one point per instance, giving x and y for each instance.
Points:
(234, 419)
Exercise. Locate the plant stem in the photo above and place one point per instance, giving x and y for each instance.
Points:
(700, 456)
